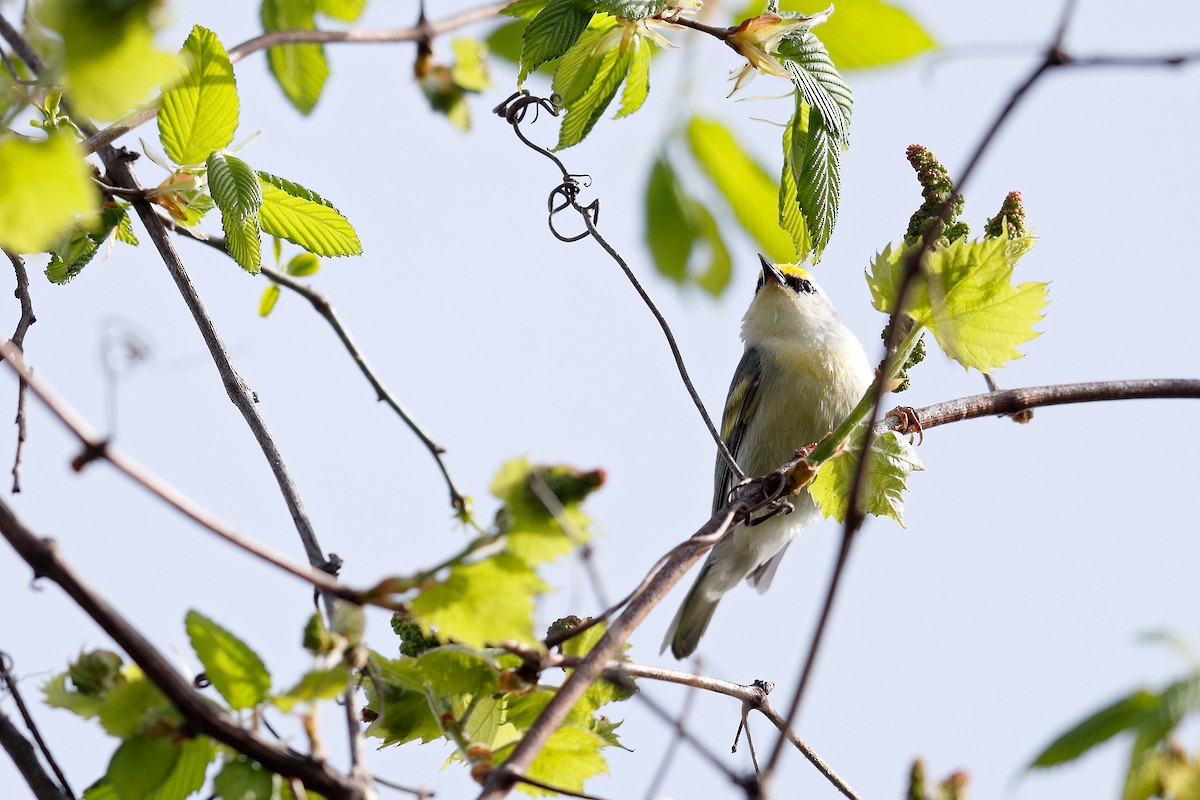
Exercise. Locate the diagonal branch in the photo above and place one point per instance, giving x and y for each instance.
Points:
(25, 758)
(199, 714)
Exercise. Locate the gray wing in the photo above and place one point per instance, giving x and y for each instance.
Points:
(739, 409)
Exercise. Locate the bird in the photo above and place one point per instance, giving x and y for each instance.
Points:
(801, 373)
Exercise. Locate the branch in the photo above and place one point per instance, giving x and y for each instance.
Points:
(95, 447)
(18, 338)
(6, 675)
(417, 33)
(199, 714)
(25, 758)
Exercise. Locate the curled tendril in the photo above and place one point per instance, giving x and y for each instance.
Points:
(567, 193)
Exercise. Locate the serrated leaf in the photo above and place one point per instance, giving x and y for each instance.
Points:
(863, 33)
(790, 217)
(270, 297)
(243, 779)
(46, 185)
(814, 160)
(1122, 715)
(299, 69)
(892, 459)
(819, 82)
(58, 695)
(457, 670)
(110, 61)
(582, 115)
(505, 585)
(570, 757)
(637, 82)
(134, 705)
(70, 256)
(403, 707)
(303, 217)
(319, 684)
(234, 669)
(343, 10)
(125, 232)
(631, 9)
(966, 297)
(745, 185)
(551, 33)
(237, 192)
(156, 769)
(199, 114)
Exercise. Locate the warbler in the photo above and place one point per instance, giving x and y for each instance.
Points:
(801, 373)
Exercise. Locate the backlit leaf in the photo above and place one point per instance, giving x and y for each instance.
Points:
(199, 114)
(46, 186)
(234, 669)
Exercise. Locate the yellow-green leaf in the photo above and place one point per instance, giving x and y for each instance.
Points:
(891, 461)
(46, 186)
(570, 757)
(299, 69)
(237, 192)
(110, 61)
(270, 297)
(747, 188)
(234, 669)
(200, 113)
(303, 217)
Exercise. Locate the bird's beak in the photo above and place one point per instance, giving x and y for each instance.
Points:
(770, 272)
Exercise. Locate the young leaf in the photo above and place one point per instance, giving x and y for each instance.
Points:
(134, 705)
(814, 160)
(110, 61)
(892, 459)
(292, 212)
(46, 185)
(790, 217)
(320, 684)
(819, 82)
(1122, 715)
(637, 84)
(744, 184)
(237, 192)
(864, 33)
(235, 670)
(552, 32)
(403, 707)
(302, 265)
(199, 114)
(631, 9)
(299, 69)
(270, 297)
(503, 584)
(243, 779)
(157, 769)
(966, 297)
(581, 116)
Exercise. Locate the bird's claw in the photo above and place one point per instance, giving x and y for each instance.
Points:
(907, 422)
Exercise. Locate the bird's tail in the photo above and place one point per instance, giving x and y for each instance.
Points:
(691, 620)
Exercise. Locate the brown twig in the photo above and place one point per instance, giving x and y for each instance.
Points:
(27, 762)
(25, 758)
(275, 38)
(18, 338)
(199, 714)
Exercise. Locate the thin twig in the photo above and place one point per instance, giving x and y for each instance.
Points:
(577, 537)
(305, 36)
(513, 112)
(10, 681)
(96, 447)
(555, 789)
(912, 268)
(24, 757)
(199, 713)
(18, 338)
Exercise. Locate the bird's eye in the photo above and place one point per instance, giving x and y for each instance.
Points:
(800, 285)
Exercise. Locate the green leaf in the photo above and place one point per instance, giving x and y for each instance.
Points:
(505, 585)
(403, 707)
(100, 790)
(745, 185)
(156, 769)
(1124, 714)
(237, 192)
(790, 217)
(200, 113)
(551, 33)
(570, 757)
(234, 669)
(46, 185)
(505, 41)
(70, 256)
(125, 232)
(604, 74)
(966, 297)
(58, 695)
(292, 212)
(243, 779)
(134, 705)
(470, 65)
(714, 278)
(637, 84)
(270, 297)
(319, 684)
(631, 9)
(524, 9)
(819, 82)
(814, 160)
(891, 461)
(343, 10)
(865, 33)
(110, 63)
(302, 265)
(299, 69)
(457, 670)
(675, 225)
(532, 532)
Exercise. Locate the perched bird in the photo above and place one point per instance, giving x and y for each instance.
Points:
(800, 375)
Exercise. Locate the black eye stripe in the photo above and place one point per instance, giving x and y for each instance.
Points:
(799, 285)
